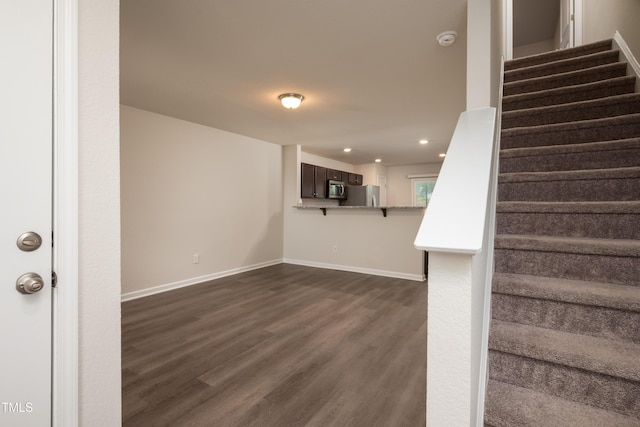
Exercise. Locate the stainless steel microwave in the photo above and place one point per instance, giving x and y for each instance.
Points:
(336, 190)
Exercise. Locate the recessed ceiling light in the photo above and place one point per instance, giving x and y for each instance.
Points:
(378, 160)
(441, 155)
(291, 100)
(346, 150)
(424, 141)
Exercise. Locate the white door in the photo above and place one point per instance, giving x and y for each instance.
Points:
(566, 24)
(26, 98)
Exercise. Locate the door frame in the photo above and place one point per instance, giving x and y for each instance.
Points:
(507, 8)
(65, 261)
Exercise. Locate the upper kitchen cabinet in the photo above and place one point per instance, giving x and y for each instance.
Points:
(354, 179)
(335, 174)
(314, 181)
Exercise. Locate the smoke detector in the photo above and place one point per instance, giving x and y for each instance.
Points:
(447, 38)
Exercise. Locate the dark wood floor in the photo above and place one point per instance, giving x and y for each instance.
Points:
(280, 346)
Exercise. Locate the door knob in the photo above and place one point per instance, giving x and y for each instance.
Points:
(29, 283)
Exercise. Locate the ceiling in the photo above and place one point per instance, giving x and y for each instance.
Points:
(372, 73)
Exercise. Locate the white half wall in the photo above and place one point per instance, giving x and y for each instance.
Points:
(191, 190)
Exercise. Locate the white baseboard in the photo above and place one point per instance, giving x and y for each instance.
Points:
(632, 62)
(373, 272)
(194, 281)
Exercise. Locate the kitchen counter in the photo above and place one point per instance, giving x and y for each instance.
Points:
(384, 209)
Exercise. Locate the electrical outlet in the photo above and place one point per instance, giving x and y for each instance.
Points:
(334, 249)
(196, 258)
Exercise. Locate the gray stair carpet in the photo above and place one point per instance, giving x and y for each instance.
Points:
(564, 342)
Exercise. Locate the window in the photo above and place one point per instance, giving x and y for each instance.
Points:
(421, 190)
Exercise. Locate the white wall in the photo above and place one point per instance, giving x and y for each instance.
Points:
(399, 185)
(190, 189)
(99, 214)
(314, 159)
(370, 172)
(479, 54)
(533, 48)
(603, 18)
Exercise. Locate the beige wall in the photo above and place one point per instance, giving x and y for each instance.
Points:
(99, 215)
(603, 18)
(399, 184)
(189, 189)
(534, 48)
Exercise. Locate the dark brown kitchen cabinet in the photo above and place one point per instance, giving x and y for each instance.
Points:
(308, 184)
(354, 179)
(334, 174)
(314, 181)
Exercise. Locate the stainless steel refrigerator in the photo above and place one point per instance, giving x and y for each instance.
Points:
(362, 195)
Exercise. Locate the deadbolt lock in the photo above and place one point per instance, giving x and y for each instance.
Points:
(29, 241)
(29, 283)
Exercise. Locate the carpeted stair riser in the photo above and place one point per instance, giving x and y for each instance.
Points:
(563, 95)
(589, 75)
(597, 390)
(593, 354)
(562, 66)
(593, 225)
(600, 322)
(597, 130)
(568, 265)
(585, 110)
(589, 293)
(592, 155)
(557, 55)
(565, 335)
(620, 184)
(510, 406)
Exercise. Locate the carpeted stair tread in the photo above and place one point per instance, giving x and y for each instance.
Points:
(609, 207)
(576, 111)
(556, 55)
(603, 220)
(609, 357)
(573, 175)
(579, 132)
(571, 186)
(562, 66)
(562, 95)
(618, 144)
(564, 382)
(509, 405)
(598, 294)
(564, 340)
(589, 155)
(572, 245)
(588, 75)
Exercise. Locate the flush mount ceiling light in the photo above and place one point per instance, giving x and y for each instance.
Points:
(291, 100)
(347, 150)
(446, 38)
(378, 160)
(441, 155)
(424, 141)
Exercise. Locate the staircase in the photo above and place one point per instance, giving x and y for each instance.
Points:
(564, 345)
